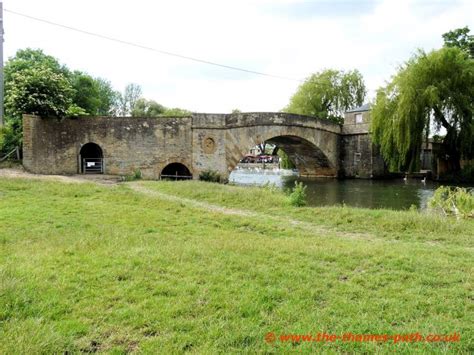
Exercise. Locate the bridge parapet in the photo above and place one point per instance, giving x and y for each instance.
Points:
(250, 119)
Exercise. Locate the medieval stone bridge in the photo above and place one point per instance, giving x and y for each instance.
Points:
(189, 144)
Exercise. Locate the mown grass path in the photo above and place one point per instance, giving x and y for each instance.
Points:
(206, 206)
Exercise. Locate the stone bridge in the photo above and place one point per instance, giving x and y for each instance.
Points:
(186, 145)
(310, 143)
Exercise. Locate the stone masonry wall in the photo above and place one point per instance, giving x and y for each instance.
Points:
(360, 158)
(52, 146)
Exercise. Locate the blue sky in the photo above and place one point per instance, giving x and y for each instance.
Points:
(291, 38)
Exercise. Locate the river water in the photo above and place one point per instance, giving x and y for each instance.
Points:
(393, 194)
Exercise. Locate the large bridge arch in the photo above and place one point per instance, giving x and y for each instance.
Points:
(221, 141)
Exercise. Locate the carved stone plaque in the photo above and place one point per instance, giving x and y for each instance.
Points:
(209, 145)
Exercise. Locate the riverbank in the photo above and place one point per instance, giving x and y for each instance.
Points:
(193, 266)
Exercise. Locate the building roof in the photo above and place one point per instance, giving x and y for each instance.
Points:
(364, 107)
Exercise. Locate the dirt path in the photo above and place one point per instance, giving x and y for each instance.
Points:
(19, 172)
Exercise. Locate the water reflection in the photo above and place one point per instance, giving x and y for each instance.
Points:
(392, 194)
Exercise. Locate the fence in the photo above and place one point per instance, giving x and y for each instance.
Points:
(16, 150)
(175, 177)
(93, 166)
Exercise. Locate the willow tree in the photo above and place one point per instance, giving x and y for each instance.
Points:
(432, 91)
(328, 94)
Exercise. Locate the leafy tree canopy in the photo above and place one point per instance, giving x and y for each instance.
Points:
(83, 94)
(38, 90)
(128, 100)
(147, 108)
(176, 112)
(108, 98)
(460, 38)
(86, 92)
(328, 94)
(431, 89)
(32, 58)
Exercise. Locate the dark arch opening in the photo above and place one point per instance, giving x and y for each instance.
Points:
(307, 157)
(91, 159)
(176, 171)
(304, 156)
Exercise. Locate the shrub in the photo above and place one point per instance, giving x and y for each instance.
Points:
(271, 187)
(210, 176)
(298, 195)
(136, 175)
(465, 175)
(455, 201)
(10, 136)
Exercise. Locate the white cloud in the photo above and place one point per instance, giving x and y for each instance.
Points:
(248, 34)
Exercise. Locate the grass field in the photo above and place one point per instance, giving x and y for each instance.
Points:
(160, 267)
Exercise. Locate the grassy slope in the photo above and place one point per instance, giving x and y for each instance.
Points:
(88, 268)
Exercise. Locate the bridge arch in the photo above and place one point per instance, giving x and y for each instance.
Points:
(313, 151)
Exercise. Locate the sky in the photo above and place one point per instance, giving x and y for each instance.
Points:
(287, 38)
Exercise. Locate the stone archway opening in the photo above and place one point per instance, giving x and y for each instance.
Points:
(175, 171)
(297, 154)
(309, 160)
(91, 159)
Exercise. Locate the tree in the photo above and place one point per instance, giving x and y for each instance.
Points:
(108, 98)
(176, 112)
(434, 89)
(32, 58)
(327, 94)
(86, 92)
(95, 95)
(460, 38)
(26, 89)
(147, 108)
(39, 91)
(129, 98)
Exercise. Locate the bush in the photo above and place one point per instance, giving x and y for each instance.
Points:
(210, 176)
(455, 201)
(465, 175)
(298, 195)
(10, 136)
(136, 175)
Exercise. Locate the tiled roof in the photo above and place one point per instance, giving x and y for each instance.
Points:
(364, 107)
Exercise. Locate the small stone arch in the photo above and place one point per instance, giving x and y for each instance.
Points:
(91, 159)
(176, 171)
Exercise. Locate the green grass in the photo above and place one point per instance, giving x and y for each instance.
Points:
(99, 268)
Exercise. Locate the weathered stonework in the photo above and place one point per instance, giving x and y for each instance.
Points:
(360, 158)
(52, 146)
(200, 142)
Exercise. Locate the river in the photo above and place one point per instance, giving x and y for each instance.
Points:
(392, 194)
